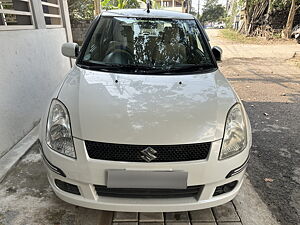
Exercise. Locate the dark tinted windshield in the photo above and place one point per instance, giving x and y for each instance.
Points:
(139, 45)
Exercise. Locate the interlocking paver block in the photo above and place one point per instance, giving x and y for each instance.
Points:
(204, 215)
(160, 223)
(125, 223)
(178, 223)
(204, 223)
(125, 217)
(230, 223)
(151, 217)
(177, 217)
(94, 217)
(226, 213)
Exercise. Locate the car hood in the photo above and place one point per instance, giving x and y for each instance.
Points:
(147, 109)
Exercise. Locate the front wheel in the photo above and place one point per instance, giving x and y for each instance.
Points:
(298, 40)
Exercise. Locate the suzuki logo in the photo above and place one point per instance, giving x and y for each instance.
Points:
(148, 154)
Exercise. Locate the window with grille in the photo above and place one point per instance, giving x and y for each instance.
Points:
(52, 13)
(166, 4)
(16, 14)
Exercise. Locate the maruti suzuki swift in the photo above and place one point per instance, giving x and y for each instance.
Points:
(145, 121)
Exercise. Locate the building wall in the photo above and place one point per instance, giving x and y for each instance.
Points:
(175, 9)
(31, 63)
(171, 5)
(31, 67)
(79, 29)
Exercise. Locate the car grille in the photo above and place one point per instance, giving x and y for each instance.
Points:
(192, 191)
(70, 188)
(133, 153)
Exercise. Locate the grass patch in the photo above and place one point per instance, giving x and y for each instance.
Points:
(234, 36)
(237, 37)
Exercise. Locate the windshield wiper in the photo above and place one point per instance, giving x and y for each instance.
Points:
(187, 68)
(112, 66)
(145, 69)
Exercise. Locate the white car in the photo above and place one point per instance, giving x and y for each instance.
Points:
(220, 25)
(145, 121)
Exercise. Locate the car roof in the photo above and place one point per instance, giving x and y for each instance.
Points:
(142, 13)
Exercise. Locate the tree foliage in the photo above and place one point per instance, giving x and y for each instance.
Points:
(290, 20)
(212, 11)
(84, 9)
(81, 9)
(120, 4)
(276, 4)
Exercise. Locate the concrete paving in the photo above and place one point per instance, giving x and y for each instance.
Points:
(12, 157)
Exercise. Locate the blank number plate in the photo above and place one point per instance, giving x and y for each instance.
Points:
(147, 179)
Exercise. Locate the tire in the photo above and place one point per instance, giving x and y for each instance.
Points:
(298, 40)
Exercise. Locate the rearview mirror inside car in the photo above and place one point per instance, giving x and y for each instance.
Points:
(217, 52)
(70, 50)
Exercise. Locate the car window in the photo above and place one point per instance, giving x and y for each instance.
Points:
(142, 45)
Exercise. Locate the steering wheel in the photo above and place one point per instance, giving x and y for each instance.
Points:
(119, 56)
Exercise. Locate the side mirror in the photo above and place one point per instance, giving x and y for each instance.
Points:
(217, 52)
(70, 50)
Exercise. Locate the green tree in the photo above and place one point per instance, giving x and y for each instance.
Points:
(81, 9)
(120, 4)
(290, 20)
(273, 5)
(84, 9)
(155, 5)
(212, 11)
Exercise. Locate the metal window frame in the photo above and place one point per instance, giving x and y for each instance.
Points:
(50, 15)
(16, 12)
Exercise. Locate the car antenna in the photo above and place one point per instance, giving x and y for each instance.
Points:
(148, 2)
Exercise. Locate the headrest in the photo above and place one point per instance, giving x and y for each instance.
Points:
(171, 34)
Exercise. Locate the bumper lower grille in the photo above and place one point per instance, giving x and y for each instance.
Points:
(192, 191)
(136, 153)
(70, 188)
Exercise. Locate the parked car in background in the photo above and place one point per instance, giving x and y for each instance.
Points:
(208, 26)
(219, 25)
(145, 121)
(296, 33)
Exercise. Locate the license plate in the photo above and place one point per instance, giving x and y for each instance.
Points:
(147, 179)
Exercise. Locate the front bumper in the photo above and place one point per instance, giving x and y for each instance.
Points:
(85, 173)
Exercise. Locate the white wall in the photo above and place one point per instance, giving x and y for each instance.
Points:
(31, 66)
(176, 9)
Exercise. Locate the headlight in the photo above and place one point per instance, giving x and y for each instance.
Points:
(59, 135)
(235, 134)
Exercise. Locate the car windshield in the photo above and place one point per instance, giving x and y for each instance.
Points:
(141, 45)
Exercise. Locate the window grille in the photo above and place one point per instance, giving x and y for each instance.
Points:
(16, 14)
(52, 13)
